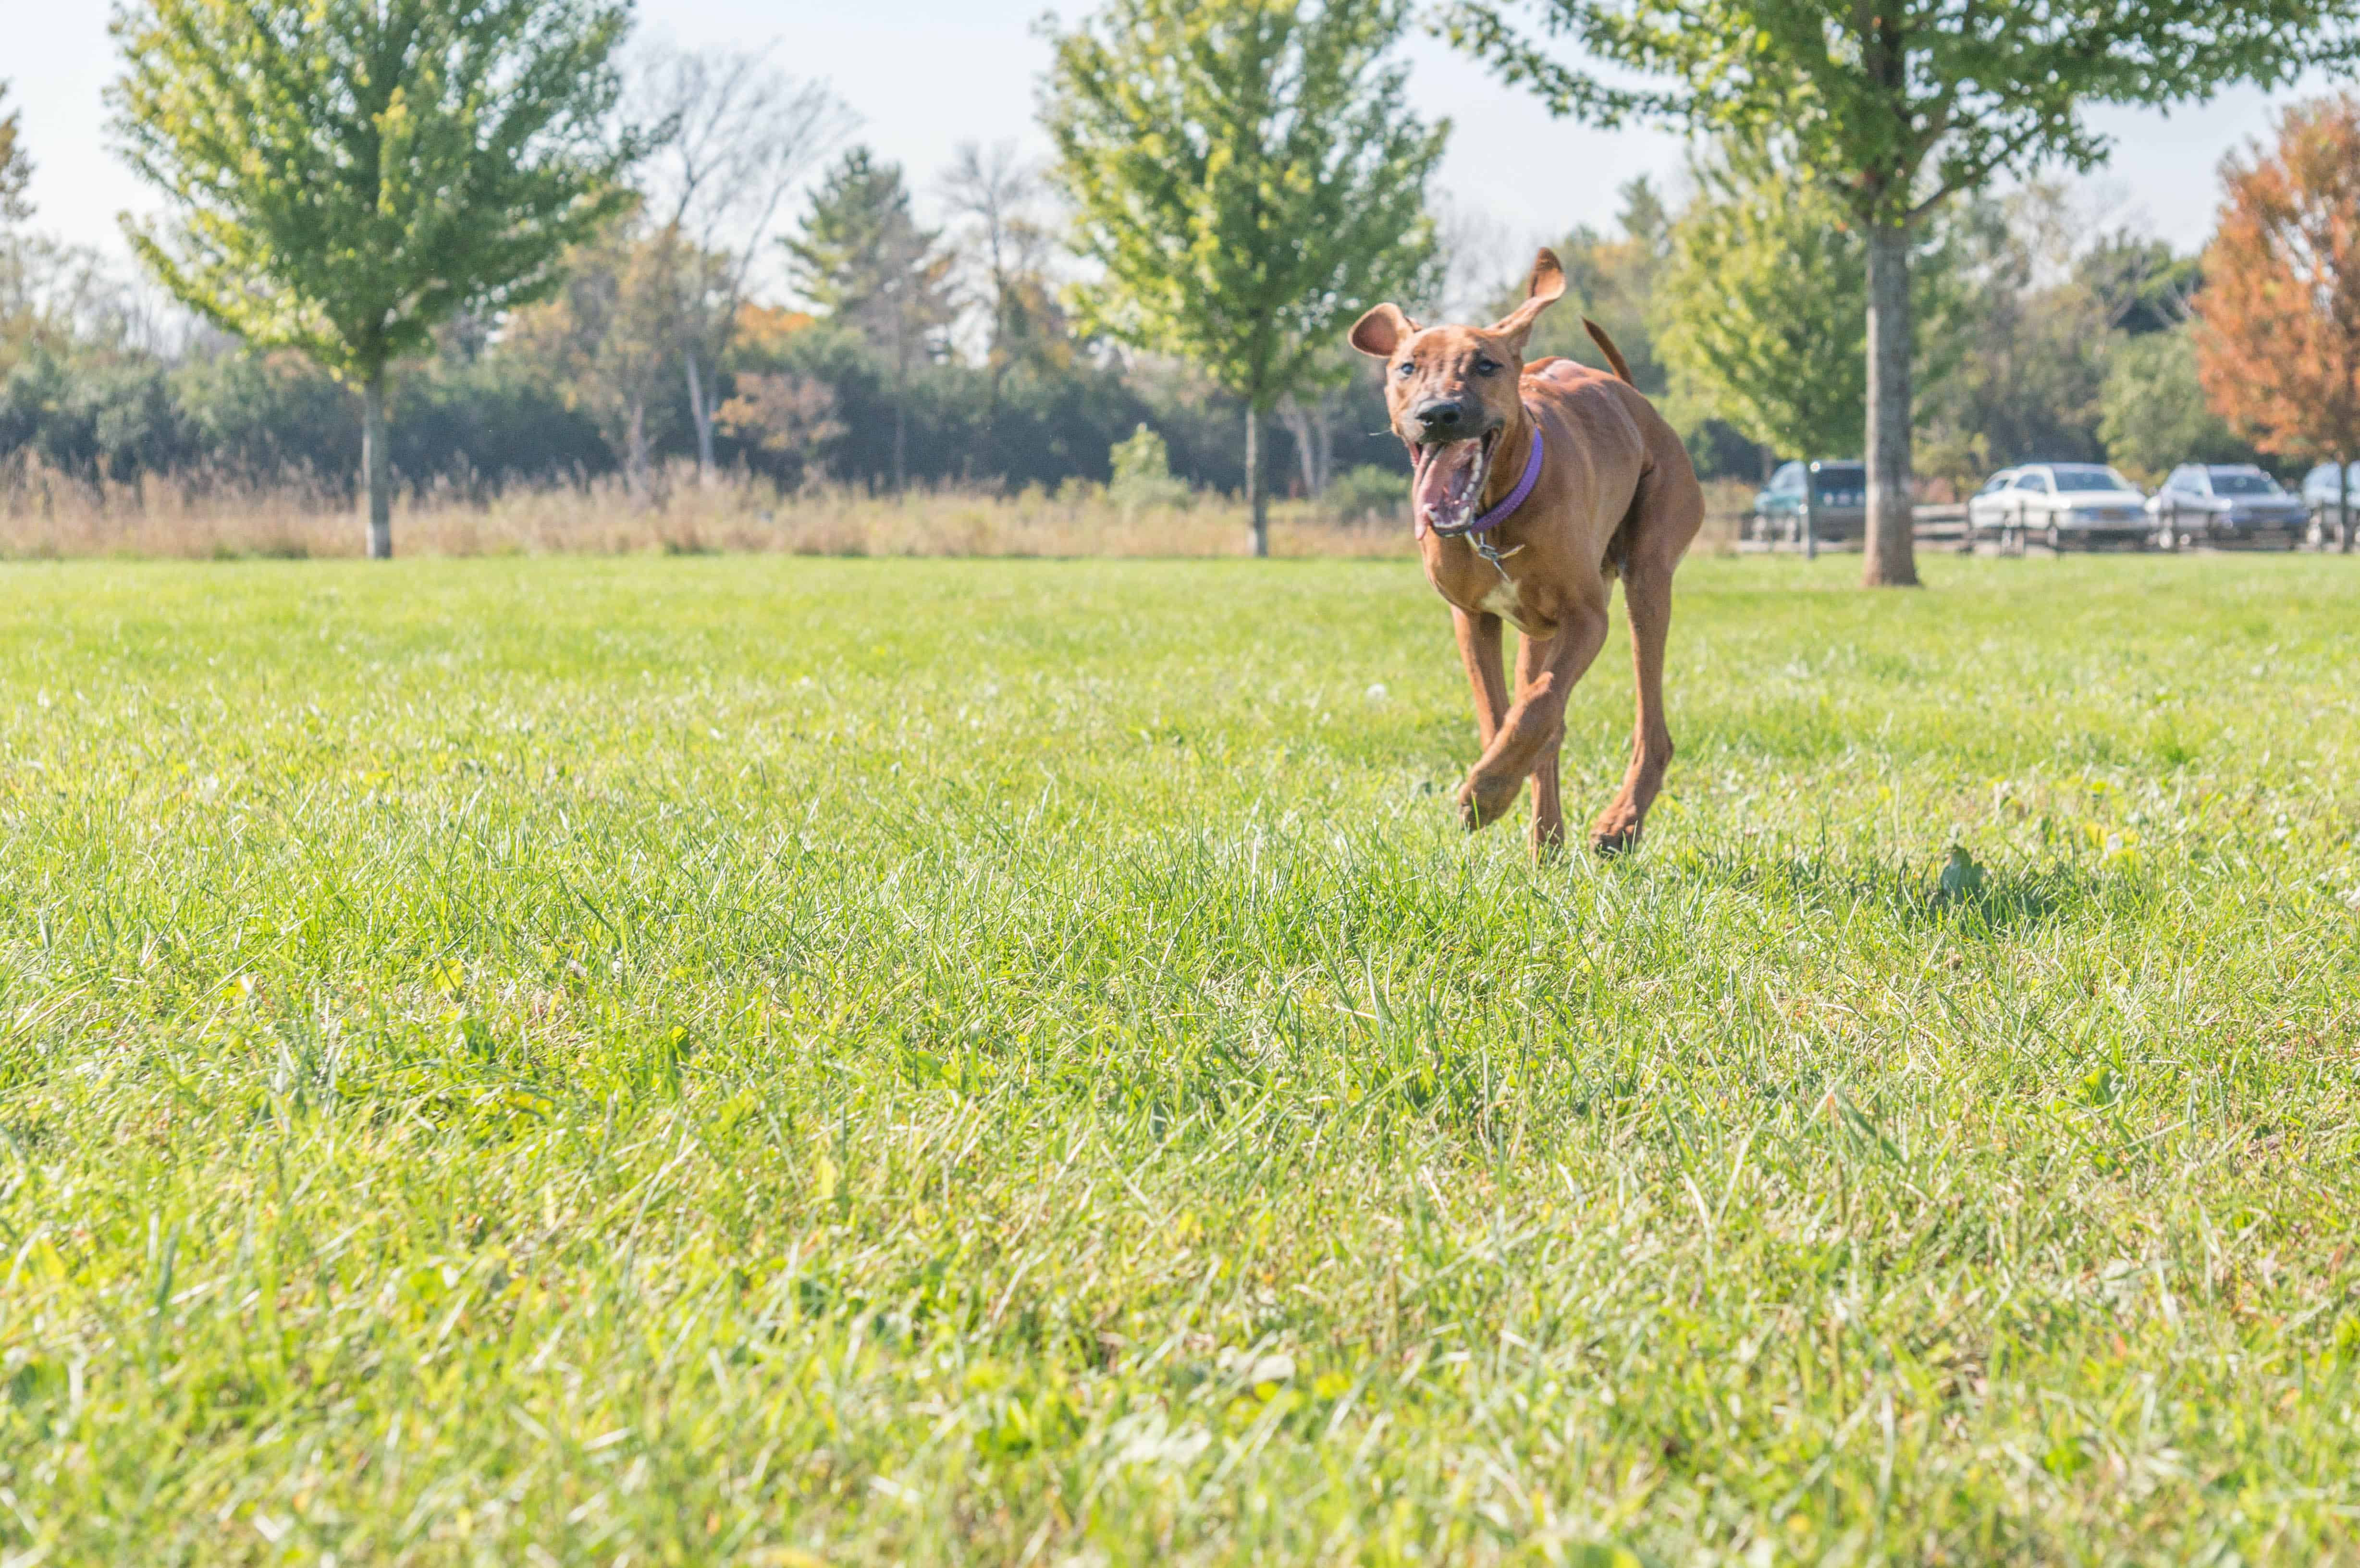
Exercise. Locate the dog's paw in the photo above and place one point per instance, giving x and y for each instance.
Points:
(1616, 830)
(1483, 801)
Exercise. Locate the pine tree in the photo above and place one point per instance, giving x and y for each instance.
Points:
(861, 259)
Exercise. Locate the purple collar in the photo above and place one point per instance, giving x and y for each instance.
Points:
(1516, 497)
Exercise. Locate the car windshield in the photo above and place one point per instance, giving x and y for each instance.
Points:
(2083, 477)
(1844, 476)
(2244, 485)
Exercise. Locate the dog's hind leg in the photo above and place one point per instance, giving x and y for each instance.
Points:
(1647, 601)
(1549, 806)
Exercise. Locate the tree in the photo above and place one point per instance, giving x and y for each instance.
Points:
(1610, 278)
(788, 419)
(347, 174)
(1248, 177)
(2277, 323)
(734, 136)
(1898, 106)
(607, 342)
(1008, 249)
(2039, 333)
(16, 167)
(1759, 311)
(861, 259)
(2153, 416)
(2141, 283)
(1760, 305)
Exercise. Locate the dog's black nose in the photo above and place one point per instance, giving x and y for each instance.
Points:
(1438, 416)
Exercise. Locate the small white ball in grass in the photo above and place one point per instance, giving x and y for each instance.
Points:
(1376, 693)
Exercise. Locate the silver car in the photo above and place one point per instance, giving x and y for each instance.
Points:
(2225, 503)
(2060, 504)
(2326, 497)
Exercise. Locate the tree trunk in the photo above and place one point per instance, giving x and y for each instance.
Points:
(1257, 500)
(901, 399)
(376, 468)
(1291, 414)
(901, 433)
(634, 451)
(701, 413)
(1891, 561)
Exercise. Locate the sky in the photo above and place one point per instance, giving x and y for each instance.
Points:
(926, 75)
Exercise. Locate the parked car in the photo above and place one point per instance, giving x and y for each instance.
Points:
(2060, 504)
(2225, 503)
(1841, 514)
(2321, 500)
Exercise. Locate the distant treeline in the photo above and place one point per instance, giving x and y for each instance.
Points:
(854, 345)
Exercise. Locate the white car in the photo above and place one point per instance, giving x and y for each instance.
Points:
(2060, 504)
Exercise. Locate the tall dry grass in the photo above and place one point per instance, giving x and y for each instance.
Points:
(44, 515)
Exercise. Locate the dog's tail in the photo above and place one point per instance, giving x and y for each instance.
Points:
(1613, 356)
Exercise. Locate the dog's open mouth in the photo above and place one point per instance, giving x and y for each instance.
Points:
(1448, 483)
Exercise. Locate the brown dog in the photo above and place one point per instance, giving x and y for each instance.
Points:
(1614, 494)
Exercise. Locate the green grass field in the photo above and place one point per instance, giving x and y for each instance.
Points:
(785, 1062)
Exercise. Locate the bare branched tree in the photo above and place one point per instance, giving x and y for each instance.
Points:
(737, 135)
(1006, 245)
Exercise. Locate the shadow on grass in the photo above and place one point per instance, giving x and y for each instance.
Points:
(1991, 901)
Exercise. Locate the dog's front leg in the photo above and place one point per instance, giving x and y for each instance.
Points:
(1547, 669)
(1479, 649)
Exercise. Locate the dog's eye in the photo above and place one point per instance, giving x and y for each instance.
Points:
(1406, 369)
(1487, 367)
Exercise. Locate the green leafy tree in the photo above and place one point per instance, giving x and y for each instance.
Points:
(2141, 283)
(1610, 278)
(1248, 177)
(1898, 106)
(2153, 412)
(861, 259)
(347, 175)
(1758, 312)
(605, 343)
(16, 167)
(1761, 308)
(2039, 331)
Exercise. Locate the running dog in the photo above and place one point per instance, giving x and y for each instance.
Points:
(1536, 485)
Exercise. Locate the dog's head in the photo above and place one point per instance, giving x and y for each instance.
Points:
(1452, 391)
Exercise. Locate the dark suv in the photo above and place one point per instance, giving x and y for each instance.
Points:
(1842, 513)
(2224, 503)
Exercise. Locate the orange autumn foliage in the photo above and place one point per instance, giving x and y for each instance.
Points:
(2277, 322)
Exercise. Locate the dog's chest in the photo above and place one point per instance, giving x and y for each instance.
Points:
(1480, 589)
(1500, 600)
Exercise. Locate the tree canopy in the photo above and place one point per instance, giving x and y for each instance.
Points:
(15, 166)
(1895, 108)
(1249, 176)
(860, 256)
(347, 175)
(2278, 336)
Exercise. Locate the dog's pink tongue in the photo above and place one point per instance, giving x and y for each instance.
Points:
(1442, 477)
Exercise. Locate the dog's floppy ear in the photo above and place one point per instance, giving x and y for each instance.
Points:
(1546, 287)
(1382, 330)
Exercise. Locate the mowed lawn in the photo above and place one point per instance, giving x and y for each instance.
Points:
(682, 1061)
